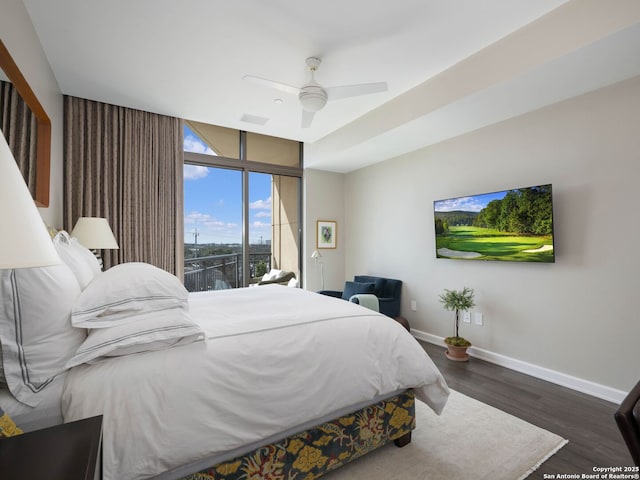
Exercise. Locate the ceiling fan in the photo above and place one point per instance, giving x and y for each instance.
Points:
(314, 96)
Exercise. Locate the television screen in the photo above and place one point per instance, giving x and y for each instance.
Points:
(513, 225)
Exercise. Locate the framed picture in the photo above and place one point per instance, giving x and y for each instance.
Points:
(326, 234)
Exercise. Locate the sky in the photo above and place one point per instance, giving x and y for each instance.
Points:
(213, 201)
(473, 203)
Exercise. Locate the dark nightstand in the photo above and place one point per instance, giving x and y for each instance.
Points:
(70, 451)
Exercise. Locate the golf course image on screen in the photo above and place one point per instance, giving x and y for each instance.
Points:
(513, 225)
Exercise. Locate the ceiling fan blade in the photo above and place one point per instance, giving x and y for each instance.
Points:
(283, 87)
(307, 118)
(345, 91)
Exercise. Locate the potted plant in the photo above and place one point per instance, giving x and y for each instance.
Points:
(457, 301)
(261, 269)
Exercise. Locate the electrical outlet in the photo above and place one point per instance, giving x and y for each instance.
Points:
(414, 306)
(466, 317)
(478, 319)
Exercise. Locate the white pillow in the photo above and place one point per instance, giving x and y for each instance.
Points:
(3, 381)
(268, 276)
(35, 327)
(79, 259)
(273, 275)
(127, 290)
(154, 331)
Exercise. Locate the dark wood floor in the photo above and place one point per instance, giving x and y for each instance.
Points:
(587, 422)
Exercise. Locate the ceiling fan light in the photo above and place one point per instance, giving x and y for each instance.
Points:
(313, 103)
(312, 97)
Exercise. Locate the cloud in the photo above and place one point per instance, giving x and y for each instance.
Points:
(263, 215)
(194, 172)
(467, 204)
(213, 230)
(210, 229)
(259, 224)
(262, 204)
(260, 230)
(195, 145)
(206, 220)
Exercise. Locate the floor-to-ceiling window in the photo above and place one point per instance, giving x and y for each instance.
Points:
(242, 197)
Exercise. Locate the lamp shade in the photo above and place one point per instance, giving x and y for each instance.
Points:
(94, 233)
(25, 241)
(316, 254)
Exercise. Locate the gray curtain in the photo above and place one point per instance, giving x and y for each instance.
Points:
(125, 165)
(18, 124)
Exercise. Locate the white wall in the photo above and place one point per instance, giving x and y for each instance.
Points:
(18, 35)
(323, 200)
(577, 316)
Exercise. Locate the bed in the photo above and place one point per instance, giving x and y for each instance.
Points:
(216, 382)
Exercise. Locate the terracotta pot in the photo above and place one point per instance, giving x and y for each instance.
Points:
(457, 354)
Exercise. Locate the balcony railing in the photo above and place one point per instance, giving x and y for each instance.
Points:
(220, 272)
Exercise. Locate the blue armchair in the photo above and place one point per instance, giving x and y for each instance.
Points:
(387, 290)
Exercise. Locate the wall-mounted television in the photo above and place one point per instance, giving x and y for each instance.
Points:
(511, 225)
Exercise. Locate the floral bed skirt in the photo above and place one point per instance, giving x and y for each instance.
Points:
(314, 452)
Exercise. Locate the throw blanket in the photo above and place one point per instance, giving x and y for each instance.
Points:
(367, 300)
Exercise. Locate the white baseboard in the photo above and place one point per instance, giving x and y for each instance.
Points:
(543, 373)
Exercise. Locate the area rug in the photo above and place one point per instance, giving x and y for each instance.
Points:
(469, 440)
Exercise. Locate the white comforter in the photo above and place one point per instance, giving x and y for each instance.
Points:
(275, 358)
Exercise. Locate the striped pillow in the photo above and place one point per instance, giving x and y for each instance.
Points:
(125, 291)
(35, 327)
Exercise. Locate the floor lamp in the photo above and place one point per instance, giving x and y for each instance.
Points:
(317, 256)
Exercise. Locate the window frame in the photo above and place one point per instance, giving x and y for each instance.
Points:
(246, 167)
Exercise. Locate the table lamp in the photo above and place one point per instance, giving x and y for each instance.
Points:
(25, 241)
(95, 234)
